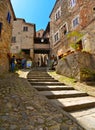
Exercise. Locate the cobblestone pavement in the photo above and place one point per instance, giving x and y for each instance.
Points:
(22, 108)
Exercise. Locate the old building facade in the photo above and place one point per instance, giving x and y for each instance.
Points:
(26, 40)
(22, 37)
(72, 22)
(46, 33)
(39, 33)
(41, 48)
(6, 21)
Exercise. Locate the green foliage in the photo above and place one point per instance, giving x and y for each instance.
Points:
(63, 58)
(77, 35)
(74, 45)
(63, 79)
(87, 74)
(88, 71)
(74, 33)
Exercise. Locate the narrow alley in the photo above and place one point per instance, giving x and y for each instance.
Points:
(36, 57)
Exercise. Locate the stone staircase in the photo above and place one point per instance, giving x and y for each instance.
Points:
(78, 104)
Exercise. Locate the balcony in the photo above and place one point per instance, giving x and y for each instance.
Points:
(41, 45)
(39, 40)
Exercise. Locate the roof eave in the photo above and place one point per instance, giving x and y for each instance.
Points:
(53, 8)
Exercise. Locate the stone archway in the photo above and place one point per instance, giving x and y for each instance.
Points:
(41, 58)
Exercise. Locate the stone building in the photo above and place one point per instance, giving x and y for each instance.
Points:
(39, 33)
(22, 37)
(72, 21)
(26, 39)
(41, 47)
(6, 22)
(46, 33)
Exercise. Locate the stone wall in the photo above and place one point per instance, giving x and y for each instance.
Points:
(6, 32)
(24, 39)
(89, 38)
(67, 15)
(39, 33)
(78, 65)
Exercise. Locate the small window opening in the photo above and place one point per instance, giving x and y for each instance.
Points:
(0, 28)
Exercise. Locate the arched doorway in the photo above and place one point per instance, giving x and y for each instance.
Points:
(41, 58)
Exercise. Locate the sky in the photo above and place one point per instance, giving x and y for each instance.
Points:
(34, 11)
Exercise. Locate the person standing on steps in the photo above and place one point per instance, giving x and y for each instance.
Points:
(23, 63)
(13, 63)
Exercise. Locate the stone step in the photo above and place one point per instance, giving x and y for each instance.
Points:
(75, 104)
(42, 80)
(39, 76)
(82, 113)
(78, 104)
(35, 77)
(46, 83)
(53, 88)
(38, 73)
(85, 118)
(62, 94)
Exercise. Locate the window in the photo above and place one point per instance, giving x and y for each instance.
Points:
(9, 17)
(38, 34)
(75, 22)
(58, 13)
(72, 3)
(64, 29)
(25, 29)
(94, 9)
(13, 39)
(17, 47)
(0, 28)
(56, 37)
